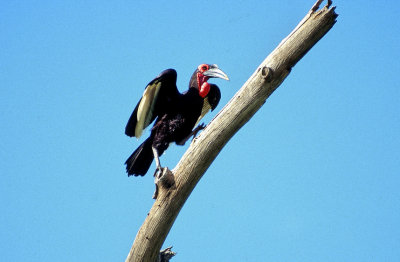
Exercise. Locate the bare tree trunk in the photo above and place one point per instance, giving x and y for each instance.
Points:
(248, 100)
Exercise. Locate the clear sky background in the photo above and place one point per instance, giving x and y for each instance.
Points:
(314, 176)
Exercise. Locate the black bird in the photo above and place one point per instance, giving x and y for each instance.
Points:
(176, 114)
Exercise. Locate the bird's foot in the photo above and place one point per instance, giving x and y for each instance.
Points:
(158, 172)
(193, 133)
(197, 130)
(163, 177)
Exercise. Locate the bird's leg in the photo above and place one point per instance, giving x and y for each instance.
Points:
(158, 172)
(162, 176)
(193, 133)
(157, 158)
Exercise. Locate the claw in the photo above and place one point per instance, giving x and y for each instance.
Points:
(158, 172)
(197, 130)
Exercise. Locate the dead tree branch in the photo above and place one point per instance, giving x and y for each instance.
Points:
(253, 94)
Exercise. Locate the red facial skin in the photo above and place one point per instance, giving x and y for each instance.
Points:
(204, 87)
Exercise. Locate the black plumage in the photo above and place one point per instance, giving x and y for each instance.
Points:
(175, 114)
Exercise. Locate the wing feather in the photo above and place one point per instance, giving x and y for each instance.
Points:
(146, 108)
(210, 101)
(158, 94)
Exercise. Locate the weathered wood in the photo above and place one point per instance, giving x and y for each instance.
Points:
(165, 255)
(203, 150)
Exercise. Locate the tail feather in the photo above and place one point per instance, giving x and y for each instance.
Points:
(140, 160)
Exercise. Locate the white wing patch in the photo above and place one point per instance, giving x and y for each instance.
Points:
(146, 107)
(204, 110)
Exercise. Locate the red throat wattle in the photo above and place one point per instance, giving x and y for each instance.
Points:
(203, 86)
(204, 89)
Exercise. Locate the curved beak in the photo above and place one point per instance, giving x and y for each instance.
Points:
(215, 72)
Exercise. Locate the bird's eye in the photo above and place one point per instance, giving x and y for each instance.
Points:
(203, 67)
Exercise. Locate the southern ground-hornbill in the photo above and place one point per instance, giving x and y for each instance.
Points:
(176, 114)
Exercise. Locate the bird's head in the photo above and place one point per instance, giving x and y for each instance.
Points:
(202, 74)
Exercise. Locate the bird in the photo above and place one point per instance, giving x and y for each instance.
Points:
(174, 114)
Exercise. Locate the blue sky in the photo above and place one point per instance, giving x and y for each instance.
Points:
(314, 176)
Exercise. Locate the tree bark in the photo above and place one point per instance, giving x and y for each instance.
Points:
(203, 150)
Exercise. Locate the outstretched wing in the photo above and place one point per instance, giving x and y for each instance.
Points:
(213, 97)
(210, 101)
(157, 96)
